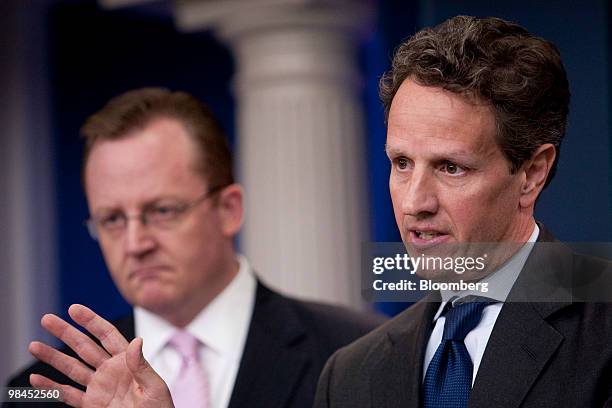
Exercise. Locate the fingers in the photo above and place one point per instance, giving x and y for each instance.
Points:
(70, 395)
(85, 347)
(150, 382)
(104, 331)
(70, 366)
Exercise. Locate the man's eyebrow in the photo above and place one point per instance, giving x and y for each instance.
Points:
(392, 151)
(459, 154)
(456, 154)
(147, 203)
(105, 210)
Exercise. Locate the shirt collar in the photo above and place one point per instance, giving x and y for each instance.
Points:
(499, 282)
(222, 325)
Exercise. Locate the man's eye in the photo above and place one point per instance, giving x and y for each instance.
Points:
(111, 221)
(163, 212)
(401, 163)
(452, 168)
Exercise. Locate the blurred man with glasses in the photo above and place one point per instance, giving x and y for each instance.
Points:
(165, 209)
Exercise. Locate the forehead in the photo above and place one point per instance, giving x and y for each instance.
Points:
(160, 159)
(432, 119)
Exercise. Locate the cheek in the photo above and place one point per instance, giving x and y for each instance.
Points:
(504, 195)
(396, 190)
(396, 201)
(464, 212)
(113, 258)
(479, 211)
(192, 247)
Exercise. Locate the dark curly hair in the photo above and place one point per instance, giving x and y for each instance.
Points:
(497, 62)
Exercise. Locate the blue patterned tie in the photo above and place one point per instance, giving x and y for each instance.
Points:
(448, 380)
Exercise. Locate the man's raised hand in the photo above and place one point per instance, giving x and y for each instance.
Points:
(120, 377)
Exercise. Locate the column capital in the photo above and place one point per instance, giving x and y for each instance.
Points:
(284, 42)
(242, 17)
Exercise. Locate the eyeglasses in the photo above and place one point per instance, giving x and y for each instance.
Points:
(159, 215)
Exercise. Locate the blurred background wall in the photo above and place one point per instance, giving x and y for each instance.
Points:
(63, 59)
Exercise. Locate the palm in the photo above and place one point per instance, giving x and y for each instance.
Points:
(121, 376)
(113, 385)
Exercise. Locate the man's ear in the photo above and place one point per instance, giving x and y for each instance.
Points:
(231, 209)
(536, 171)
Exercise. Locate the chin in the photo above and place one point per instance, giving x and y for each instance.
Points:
(155, 299)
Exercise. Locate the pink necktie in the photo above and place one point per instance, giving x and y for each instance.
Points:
(190, 389)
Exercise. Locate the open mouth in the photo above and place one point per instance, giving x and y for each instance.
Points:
(427, 238)
(427, 235)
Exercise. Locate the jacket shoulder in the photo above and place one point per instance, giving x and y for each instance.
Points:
(338, 323)
(346, 378)
(328, 326)
(375, 340)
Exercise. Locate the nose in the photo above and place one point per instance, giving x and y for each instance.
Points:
(420, 199)
(138, 238)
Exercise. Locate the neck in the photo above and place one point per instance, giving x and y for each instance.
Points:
(502, 252)
(522, 228)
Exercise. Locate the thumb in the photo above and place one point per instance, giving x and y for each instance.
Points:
(141, 370)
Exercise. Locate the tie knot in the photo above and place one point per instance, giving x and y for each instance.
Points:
(186, 345)
(461, 319)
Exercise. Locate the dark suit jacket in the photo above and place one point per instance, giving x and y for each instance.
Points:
(540, 354)
(287, 345)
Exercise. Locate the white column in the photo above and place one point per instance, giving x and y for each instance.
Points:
(28, 286)
(300, 132)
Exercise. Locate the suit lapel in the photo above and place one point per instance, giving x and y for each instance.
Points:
(398, 361)
(522, 341)
(271, 363)
(521, 344)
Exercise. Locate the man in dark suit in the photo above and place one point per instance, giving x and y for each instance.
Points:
(476, 111)
(165, 209)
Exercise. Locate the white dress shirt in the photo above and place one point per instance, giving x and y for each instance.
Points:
(499, 283)
(222, 327)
